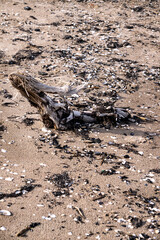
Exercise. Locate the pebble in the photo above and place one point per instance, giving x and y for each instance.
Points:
(27, 8)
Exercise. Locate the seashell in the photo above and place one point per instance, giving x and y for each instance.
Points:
(3, 150)
(9, 179)
(2, 228)
(5, 213)
(46, 218)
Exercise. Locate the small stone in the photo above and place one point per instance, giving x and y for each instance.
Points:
(37, 29)
(27, 8)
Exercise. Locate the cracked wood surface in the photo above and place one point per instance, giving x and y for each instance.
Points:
(55, 111)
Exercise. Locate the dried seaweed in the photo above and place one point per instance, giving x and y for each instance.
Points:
(29, 53)
(23, 232)
(20, 192)
(61, 180)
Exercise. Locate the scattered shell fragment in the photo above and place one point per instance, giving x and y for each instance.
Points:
(46, 218)
(3, 228)
(40, 205)
(9, 179)
(3, 150)
(80, 211)
(141, 153)
(52, 215)
(5, 213)
(101, 55)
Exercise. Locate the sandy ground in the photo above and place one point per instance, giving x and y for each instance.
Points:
(96, 184)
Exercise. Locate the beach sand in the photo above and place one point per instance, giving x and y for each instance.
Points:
(101, 183)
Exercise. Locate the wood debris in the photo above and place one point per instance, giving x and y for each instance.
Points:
(56, 111)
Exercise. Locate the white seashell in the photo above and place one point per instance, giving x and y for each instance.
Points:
(69, 206)
(46, 218)
(3, 150)
(43, 164)
(46, 191)
(140, 153)
(98, 237)
(9, 179)
(46, 130)
(5, 213)
(40, 205)
(52, 215)
(2, 228)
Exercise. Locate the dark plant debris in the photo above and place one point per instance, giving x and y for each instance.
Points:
(23, 232)
(20, 192)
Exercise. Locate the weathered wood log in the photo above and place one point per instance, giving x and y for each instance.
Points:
(56, 111)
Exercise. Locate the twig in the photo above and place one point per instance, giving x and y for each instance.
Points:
(99, 197)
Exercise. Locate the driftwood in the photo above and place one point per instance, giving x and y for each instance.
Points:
(56, 112)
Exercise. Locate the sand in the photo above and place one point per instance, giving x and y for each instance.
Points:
(96, 183)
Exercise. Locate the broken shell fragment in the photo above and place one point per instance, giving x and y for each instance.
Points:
(5, 213)
(2, 228)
